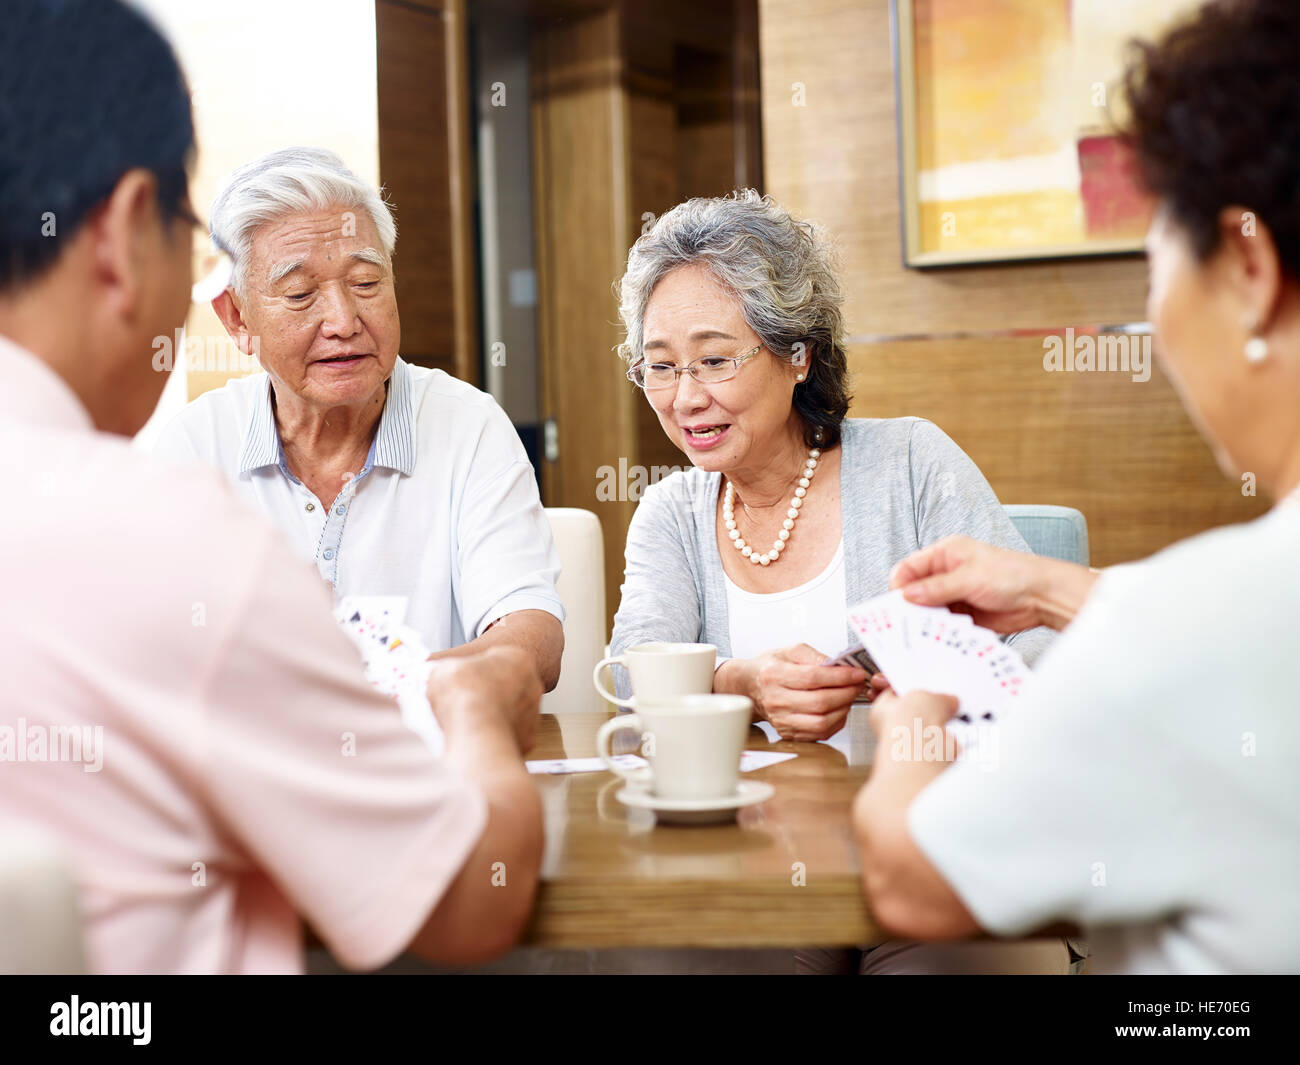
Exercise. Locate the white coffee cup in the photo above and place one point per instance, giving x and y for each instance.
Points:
(692, 742)
(660, 670)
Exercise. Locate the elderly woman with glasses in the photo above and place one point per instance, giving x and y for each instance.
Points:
(791, 513)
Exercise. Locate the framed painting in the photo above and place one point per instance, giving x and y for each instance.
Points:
(1006, 122)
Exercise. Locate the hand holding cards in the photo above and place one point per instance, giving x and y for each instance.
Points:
(395, 658)
(932, 649)
(856, 657)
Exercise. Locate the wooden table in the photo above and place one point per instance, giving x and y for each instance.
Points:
(785, 874)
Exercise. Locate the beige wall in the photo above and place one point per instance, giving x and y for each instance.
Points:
(267, 75)
(963, 346)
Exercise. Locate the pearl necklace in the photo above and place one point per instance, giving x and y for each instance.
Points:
(791, 516)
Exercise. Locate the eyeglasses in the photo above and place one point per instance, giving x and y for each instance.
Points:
(709, 370)
(215, 271)
(212, 266)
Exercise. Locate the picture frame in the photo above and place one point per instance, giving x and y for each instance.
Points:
(1008, 149)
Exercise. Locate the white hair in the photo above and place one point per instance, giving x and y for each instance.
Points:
(286, 182)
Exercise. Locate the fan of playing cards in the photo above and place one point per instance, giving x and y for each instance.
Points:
(395, 657)
(933, 649)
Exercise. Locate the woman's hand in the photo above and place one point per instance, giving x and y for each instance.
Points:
(927, 708)
(803, 699)
(1006, 591)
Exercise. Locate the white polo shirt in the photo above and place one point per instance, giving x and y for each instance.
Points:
(1149, 791)
(445, 511)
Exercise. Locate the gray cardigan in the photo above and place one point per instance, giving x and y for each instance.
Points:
(903, 484)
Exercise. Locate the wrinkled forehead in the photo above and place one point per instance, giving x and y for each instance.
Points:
(689, 303)
(316, 238)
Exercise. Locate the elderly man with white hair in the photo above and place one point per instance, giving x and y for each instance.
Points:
(393, 479)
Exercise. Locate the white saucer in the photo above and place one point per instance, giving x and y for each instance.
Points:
(697, 811)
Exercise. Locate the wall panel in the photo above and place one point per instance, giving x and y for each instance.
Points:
(950, 344)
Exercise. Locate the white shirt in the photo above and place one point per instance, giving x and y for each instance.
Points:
(1149, 791)
(445, 511)
(812, 613)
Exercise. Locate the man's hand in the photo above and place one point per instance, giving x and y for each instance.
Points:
(534, 631)
(487, 703)
(1006, 591)
(499, 680)
(803, 699)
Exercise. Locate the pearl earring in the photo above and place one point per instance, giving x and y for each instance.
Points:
(1256, 346)
(798, 377)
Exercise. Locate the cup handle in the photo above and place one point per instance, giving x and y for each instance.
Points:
(605, 693)
(632, 722)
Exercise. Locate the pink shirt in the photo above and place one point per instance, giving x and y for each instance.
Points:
(179, 708)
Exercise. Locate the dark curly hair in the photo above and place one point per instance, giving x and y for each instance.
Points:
(1215, 120)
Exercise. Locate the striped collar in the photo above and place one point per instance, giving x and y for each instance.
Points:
(394, 445)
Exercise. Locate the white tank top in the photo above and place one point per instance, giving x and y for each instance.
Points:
(813, 613)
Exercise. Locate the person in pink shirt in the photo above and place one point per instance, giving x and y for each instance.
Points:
(180, 710)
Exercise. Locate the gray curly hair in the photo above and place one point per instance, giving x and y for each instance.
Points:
(782, 272)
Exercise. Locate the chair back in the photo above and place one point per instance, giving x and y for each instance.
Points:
(1057, 532)
(40, 921)
(581, 548)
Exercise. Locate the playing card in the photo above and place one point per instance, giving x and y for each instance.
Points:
(749, 761)
(855, 656)
(933, 649)
(395, 659)
(880, 624)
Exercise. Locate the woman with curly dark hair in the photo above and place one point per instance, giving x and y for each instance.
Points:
(1136, 796)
